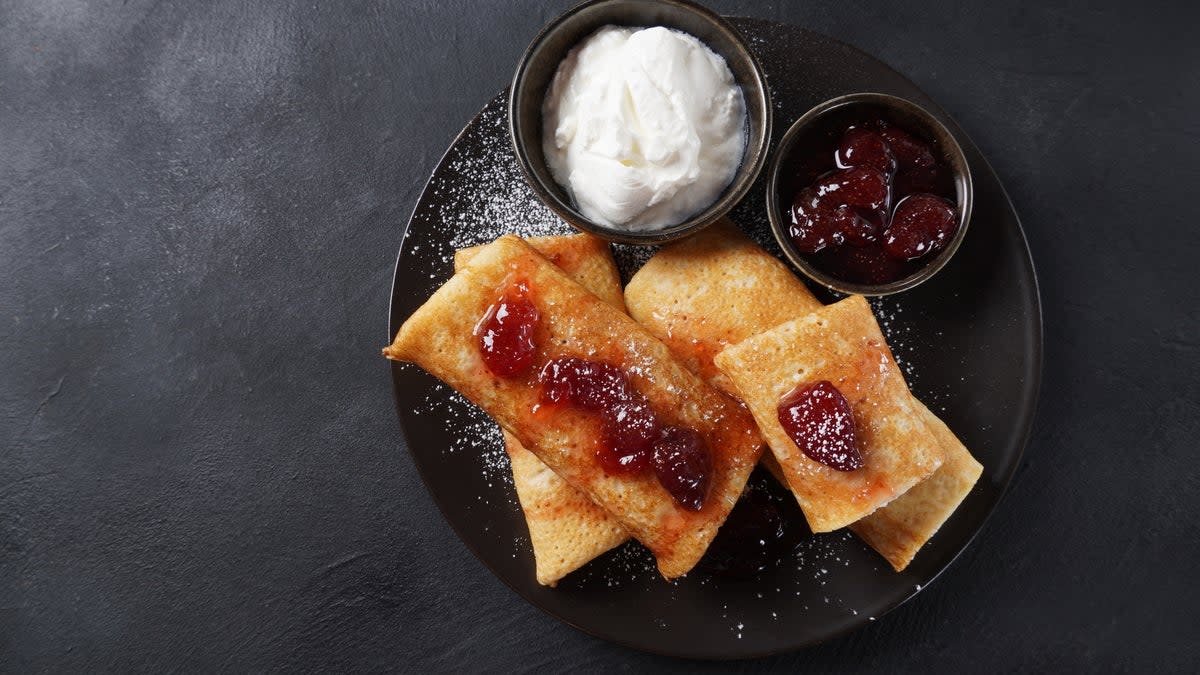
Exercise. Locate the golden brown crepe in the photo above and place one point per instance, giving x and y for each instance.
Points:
(574, 322)
(898, 530)
(713, 290)
(840, 343)
(746, 291)
(566, 529)
(586, 259)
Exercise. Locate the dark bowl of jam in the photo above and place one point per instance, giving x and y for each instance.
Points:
(869, 194)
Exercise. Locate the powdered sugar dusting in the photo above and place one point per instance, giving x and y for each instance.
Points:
(905, 338)
(630, 259)
(471, 431)
(483, 194)
(629, 565)
(898, 331)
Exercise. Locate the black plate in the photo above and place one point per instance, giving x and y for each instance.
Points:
(970, 340)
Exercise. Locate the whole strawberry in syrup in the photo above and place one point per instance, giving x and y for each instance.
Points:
(921, 225)
(863, 147)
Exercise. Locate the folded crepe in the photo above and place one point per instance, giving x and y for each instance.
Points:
(575, 323)
(719, 288)
(566, 528)
(841, 344)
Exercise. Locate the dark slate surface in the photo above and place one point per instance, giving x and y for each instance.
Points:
(201, 468)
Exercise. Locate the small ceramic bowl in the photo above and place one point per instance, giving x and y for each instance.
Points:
(813, 133)
(550, 47)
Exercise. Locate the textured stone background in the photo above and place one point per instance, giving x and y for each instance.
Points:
(200, 465)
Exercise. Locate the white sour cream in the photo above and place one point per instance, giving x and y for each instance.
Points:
(644, 127)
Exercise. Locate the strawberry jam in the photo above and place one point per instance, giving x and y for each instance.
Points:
(506, 333)
(922, 224)
(861, 146)
(876, 208)
(633, 438)
(591, 385)
(818, 419)
(630, 430)
(683, 465)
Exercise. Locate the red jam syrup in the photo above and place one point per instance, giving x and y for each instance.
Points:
(506, 333)
(683, 465)
(818, 419)
(635, 439)
(876, 208)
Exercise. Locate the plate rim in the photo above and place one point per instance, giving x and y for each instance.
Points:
(1029, 407)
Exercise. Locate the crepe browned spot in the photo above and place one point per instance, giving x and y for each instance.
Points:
(748, 291)
(566, 529)
(574, 322)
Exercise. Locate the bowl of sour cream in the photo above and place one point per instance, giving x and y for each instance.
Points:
(640, 121)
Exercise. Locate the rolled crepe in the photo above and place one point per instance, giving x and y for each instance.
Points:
(567, 530)
(575, 323)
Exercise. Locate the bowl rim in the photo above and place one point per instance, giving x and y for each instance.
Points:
(757, 149)
(775, 212)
